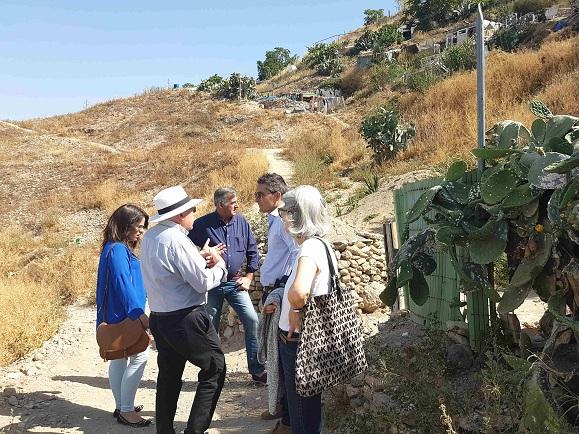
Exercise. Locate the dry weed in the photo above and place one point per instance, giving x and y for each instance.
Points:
(319, 153)
(29, 314)
(446, 114)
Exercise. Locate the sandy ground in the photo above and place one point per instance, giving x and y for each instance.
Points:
(63, 388)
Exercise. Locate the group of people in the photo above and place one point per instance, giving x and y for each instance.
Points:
(187, 268)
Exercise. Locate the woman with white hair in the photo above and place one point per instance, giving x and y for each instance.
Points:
(305, 217)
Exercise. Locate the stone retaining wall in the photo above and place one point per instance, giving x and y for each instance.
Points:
(361, 265)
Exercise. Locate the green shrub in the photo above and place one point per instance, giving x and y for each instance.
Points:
(507, 38)
(238, 86)
(460, 57)
(364, 42)
(385, 73)
(324, 58)
(386, 36)
(422, 80)
(385, 134)
(212, 84)
(431, 13)
(527, 6)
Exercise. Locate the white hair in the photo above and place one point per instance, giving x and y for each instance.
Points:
(307, 214)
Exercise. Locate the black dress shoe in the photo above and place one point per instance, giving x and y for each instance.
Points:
(137, 409)
(140, 424)
(262, 379)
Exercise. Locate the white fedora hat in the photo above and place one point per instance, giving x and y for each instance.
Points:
(172, 201)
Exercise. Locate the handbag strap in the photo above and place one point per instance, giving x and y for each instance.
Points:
(334, 283)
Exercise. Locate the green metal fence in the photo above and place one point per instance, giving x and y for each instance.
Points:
(444, 298)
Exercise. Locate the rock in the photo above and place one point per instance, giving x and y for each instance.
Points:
(13, 401)
(356, 279)
(352, 391)
(346, 278)
(339, 246)
(459, 339)
(459, 356)
(342, 264)
(356, 402)
(370, 295)
(228, 332)
(382, 400)
(346, 255)
(458, 327)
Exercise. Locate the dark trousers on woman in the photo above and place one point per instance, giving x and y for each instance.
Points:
(303, 414)
(181, 336)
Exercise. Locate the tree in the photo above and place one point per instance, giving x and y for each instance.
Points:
(324, 58)
(275, 61)
(431, 13)
(373, 15)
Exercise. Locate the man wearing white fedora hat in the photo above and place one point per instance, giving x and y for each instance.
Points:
(177, 277)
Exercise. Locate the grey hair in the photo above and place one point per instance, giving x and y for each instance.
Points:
(222, 194)
(307, 214)
(273, 182)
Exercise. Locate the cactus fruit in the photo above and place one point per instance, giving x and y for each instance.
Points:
(539, 109)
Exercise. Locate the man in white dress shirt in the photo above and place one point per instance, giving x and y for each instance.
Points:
(177, 277)
(281, 247)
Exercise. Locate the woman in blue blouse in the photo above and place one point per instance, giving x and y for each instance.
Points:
(125, 298)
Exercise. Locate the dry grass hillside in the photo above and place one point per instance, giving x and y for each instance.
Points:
(62, 176)
(445, 113)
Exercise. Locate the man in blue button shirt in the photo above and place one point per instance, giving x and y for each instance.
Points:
(226, 226)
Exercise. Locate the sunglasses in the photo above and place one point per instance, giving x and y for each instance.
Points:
(261, 195)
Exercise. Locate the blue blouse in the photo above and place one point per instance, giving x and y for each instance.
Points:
(126, 292)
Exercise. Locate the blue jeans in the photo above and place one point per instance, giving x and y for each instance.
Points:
(124, 378)
(241, 303)
(303, 414)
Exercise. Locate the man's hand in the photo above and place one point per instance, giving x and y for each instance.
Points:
(270, 308)
(212, 255)
(243, 282)
(295, 322)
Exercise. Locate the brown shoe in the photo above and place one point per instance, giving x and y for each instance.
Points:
(280, 428)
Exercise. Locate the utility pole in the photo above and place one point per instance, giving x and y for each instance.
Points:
(480, 83)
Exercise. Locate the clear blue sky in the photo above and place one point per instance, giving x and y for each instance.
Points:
(56, 56)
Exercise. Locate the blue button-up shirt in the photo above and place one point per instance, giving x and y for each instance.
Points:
(237, 237)
(119, 277)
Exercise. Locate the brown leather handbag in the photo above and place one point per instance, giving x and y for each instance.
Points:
(120, 340)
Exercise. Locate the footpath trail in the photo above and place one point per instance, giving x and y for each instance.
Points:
(63, 386)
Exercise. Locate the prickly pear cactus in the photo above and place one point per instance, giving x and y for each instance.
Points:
(539, 109)
(570, 215)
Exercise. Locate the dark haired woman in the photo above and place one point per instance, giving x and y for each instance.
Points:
(119, 276)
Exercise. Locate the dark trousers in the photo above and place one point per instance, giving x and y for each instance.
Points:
(303, 414)
(187, 335)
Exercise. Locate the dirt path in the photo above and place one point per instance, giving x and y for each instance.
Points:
(63, 388)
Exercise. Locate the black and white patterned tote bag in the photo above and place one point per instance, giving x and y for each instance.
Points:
(330, 349)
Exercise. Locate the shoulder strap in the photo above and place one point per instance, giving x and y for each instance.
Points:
(334, 284)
